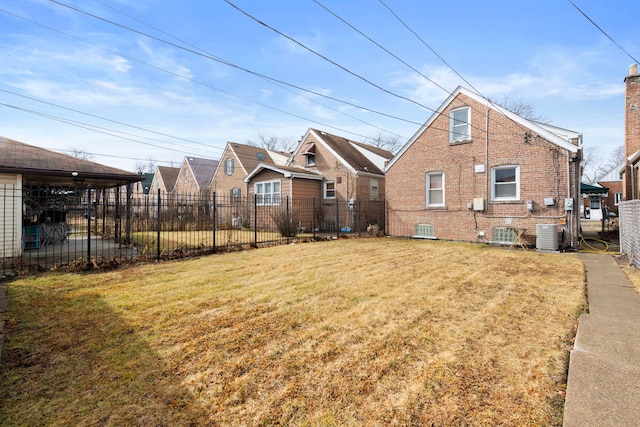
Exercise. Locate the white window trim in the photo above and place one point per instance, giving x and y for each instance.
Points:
(274, 197)
(228, 166)
(452, 139)
(617, 198)
(310, 159)
(428, 184)
(374, 195)
(324, 190)
(493, 183)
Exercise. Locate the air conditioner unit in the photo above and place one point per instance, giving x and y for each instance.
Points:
(547, 237)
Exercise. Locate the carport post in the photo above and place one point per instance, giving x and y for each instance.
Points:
(89, 209)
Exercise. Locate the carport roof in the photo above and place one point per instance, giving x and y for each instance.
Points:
(40, 166)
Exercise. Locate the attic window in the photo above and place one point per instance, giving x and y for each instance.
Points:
(460, 125)
(311, 159)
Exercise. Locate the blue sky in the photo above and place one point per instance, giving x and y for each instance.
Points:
(63, 72)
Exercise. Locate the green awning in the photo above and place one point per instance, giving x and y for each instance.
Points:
(592, 189)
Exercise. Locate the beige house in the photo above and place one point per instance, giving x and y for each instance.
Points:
(236, 162)
(164, 179)
(339, 174)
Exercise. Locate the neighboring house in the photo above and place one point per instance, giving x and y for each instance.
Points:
(35, 184)
(631, 171)
(595, 201)
(164, 179)
(333, 170)
(236, 162)
(480, 173)
(140, 195)
(194, 176)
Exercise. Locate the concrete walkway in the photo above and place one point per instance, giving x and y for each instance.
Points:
(603, 387)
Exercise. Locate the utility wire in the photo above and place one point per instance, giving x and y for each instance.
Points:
(603, 32)
(343, 68)
(232, 65)
(215, 88)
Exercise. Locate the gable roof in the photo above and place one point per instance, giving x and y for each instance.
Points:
(286, 171)
(558, 136)
(358, 157)
(202, 169)
(168, 175)
(613, 175)
(42, 166)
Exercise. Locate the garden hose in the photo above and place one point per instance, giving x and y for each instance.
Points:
(600, 246)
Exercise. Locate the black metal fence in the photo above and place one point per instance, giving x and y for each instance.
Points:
(104, 227)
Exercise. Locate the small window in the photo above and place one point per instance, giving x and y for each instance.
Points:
(374, 189)
(435, 189)
(424, 231)
(311, 159)
(234, 195)
(460, 125)
(617, 199)
(505, 183)
(186, 176)
(329, 190)
(228, 167)
(268, 193)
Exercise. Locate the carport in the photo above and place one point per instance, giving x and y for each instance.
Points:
(49, 199)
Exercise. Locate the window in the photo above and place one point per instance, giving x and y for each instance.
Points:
(228, 167)
(186, 175)
(329, 190)
(617, 198)
(268, 193)
(234, 195)
(505, 183)
(435, 189)
(311, 159)
(460, 125)
(424, 231)
(374, 189)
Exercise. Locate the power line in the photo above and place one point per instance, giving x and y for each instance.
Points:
(358, 76)
(603, 31)
(232, 65)
(215, 88)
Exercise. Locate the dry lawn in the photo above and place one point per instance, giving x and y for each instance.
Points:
(346, 333)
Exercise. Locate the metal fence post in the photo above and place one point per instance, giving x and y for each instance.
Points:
(215, 220)
(158, 226)
(337, 218)
(287, 218)
(255, 220)
(313, 217)
(89, 209)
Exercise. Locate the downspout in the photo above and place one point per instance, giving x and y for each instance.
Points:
(633, 181)
(487, 181)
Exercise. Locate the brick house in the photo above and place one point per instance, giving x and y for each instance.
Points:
(164, 179)
(477, 172)
(194, 176)
(337, 172)
(631, 172)
(236, 162)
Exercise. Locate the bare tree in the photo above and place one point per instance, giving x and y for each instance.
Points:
(386, 142)
(81, 154)
(596, 166)
(275, 143)
(147, 166)
(521, 108)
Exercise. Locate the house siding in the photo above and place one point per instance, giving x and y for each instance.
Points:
(632, 134)
(223, 183)
(495, 141)
(10, 215)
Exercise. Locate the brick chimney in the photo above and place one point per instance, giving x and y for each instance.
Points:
(631, 128)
